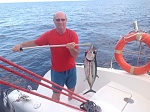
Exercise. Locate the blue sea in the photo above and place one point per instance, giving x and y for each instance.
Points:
(101, 22)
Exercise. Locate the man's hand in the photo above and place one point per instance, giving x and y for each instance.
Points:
(70, 45)
(74, 52)
(17, 48)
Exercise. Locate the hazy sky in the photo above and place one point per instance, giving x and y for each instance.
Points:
(10, 1)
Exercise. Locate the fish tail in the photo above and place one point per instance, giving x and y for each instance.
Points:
(89, 91)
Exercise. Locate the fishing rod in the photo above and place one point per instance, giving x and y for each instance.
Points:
(37, 76)
(50, 46)
(37, 94)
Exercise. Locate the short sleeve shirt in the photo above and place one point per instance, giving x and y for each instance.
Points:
(61, 58)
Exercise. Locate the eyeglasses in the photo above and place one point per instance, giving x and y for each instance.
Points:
(58, 20)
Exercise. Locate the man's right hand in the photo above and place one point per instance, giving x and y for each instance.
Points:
(17, 48)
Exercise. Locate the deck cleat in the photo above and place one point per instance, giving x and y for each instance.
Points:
(90, 106)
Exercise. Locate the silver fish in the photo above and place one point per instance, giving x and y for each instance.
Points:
(90, 67)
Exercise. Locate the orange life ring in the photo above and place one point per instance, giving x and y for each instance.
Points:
(143, 37)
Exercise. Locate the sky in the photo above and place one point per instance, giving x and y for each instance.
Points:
(11, 1)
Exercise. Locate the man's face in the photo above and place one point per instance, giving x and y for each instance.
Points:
(60, 21)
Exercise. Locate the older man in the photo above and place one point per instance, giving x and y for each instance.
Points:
(63, 69)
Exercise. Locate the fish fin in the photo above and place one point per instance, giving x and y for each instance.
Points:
(97, 76)
(89, 91)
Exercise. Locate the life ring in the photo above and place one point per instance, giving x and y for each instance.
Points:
(142, 37)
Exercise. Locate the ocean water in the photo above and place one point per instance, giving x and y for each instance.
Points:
(99, 22)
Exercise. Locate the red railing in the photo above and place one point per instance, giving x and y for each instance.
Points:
(77, 97)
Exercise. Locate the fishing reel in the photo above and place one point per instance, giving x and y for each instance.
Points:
(90, 106)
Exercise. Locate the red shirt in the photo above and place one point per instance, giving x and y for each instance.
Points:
(61, 60)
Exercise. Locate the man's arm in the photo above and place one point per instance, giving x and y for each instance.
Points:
(18, 47)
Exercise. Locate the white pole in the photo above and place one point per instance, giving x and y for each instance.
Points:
(63, 45)
(135, 26)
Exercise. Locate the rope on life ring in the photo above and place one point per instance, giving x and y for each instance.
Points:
(142, 37)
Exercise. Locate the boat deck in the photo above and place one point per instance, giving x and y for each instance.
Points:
(116, 98)
(117, 91)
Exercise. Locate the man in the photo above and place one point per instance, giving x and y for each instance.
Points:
(63, 69)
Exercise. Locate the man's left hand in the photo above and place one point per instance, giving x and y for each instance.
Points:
(70, 45)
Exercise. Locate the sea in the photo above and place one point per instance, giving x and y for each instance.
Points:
(100, 22)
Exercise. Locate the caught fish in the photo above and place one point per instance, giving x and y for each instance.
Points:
(90, 67)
